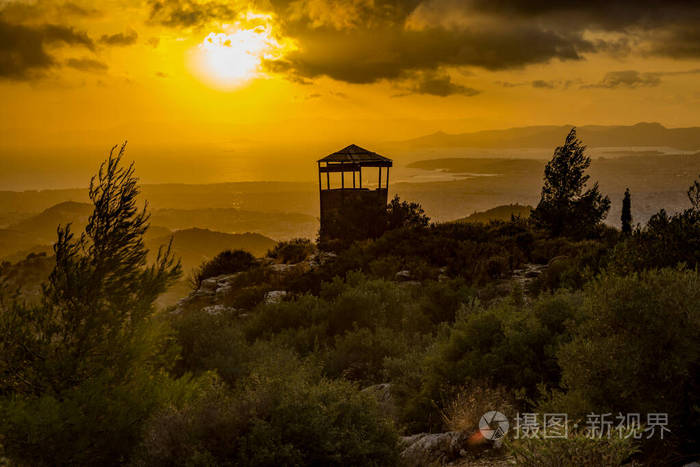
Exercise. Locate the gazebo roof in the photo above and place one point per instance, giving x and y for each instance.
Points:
(355, 155)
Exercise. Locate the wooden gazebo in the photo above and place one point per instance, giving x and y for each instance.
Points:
(351, 160)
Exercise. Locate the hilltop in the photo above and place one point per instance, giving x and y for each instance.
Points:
(641, 134)
(499, 213)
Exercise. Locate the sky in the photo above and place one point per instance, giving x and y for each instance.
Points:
(218, 90)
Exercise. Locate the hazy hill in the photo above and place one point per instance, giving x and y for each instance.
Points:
(197, 245)
(641, 134)
(281, 226)
(499, 213)
(12, 241)
(42, 227)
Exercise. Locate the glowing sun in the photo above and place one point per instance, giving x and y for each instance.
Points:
(230, 60)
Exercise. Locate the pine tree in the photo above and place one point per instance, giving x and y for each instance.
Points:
(626, 217)
(565, 208)
(694, 195)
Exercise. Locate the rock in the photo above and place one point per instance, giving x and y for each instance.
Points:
(217, 309)
(223, 290)
(385, 399)
(208, 285)
(692, 464)
(275, 296)
(404, 275)
(432, 448)
(557, 259)
(281, 268)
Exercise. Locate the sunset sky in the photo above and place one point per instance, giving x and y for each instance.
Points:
(216, 90)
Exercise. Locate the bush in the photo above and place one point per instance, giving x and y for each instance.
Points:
(283, 414)
(292, 251)
(226, 262)
(504, 345)
(637, 351)
(576, 450)
(359, 354)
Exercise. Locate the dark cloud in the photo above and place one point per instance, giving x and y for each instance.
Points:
(540, 83)
(626, 79)
(189, 13)
(364, 41)
(372, 55)
(87, 64)
(43, 11)
(70, 8)
(120, 39)
(439, 84)
(23, 49)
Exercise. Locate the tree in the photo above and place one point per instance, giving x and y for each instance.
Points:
(626, 216)
(694, 195)
(81, 370)
(565, 209)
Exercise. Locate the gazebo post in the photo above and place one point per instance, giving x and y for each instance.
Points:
(360, 177)
(379, 183)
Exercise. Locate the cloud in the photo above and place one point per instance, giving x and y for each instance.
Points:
(190, 13)
(87, 64)
(120, 39)
(439, 84)
(365, 41)
(23, 49)
(539, 83)
(626, 79)
(70, 8)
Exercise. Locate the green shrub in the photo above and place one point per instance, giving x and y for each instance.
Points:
(359, 354)
(576, 450)
(637, 351)
(284, 413)
(292, 251)
(226, 262)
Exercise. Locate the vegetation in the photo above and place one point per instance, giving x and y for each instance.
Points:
(565, 208)
(626, 216)
(226, 262)
(458, 318)
(292, 251)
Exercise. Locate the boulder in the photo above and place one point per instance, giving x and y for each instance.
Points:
(404, 275)
(217, 309)
(432, 448)
(275, 296)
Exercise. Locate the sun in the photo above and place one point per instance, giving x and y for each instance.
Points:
(230, 60)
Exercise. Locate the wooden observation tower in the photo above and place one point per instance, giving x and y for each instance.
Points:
(346, 193)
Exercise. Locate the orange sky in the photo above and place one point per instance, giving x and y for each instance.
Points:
(216, 90)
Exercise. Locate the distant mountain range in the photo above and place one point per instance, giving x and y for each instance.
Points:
(499, 213)
(641, 134)
(193, 246)
(37, 233)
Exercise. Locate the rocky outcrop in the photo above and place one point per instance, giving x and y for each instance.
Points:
(432, 448)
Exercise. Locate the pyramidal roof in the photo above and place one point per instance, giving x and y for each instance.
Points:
(354, 154)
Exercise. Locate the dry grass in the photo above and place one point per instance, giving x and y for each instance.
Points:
(465, 410)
